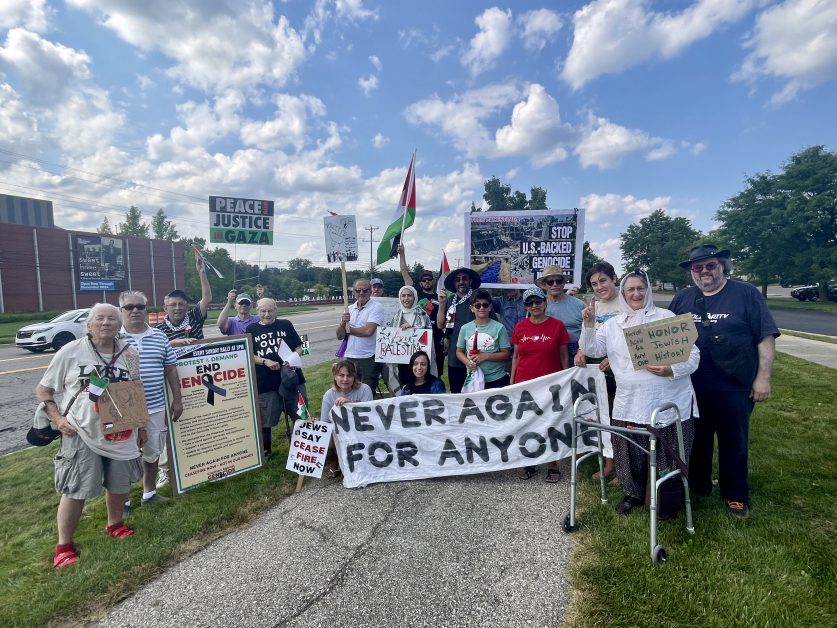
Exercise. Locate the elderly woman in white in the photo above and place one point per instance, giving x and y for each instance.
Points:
(638, 392)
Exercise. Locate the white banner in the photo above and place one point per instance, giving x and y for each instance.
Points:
(394, 345)
(426, 436)
(309, 445)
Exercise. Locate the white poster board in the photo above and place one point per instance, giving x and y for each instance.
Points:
(340, 238)
(309, 445)
(394, 345)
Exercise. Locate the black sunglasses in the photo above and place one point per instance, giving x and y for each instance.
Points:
(131, 307)
(554, 282)
(481, 306)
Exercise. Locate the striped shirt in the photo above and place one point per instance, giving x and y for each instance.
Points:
(155, 353)
(194, 324)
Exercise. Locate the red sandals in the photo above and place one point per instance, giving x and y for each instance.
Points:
(65, 557)
(119, 530)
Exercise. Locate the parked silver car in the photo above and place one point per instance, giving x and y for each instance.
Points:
(54, 333)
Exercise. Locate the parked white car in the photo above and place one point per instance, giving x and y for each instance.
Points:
(54, 333)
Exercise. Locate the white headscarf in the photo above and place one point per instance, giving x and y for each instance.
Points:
(407, 310)
(631, 316)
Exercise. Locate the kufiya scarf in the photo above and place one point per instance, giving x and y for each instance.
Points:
(450, 315)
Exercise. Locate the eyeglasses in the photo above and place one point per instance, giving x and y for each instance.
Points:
(480, 306)
(362, 290)
(554, 282)
(533, 302)
(710, 266)
(134, 306)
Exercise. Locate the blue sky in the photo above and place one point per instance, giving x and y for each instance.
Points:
(617, 106)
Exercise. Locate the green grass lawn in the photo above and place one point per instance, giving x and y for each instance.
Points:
(818, 337)
(789, 303)
(776, 569)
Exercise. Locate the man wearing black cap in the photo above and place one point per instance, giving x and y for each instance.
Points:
(427, 299)
(737, 342)
(452, 315)
(239, 323)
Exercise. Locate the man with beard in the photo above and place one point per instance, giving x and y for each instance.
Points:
(452, 315)
(737, 342)
(427, 299)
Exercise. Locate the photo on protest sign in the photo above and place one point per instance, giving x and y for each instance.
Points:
(425, 436)
(394, 345)
(340, 238)
(240, 221)
(511, 249)
(658, 343)
(101, 263)
(219, 433)
(308, 448)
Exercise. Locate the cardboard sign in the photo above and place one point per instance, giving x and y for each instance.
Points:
(122, 407)
(394, 345)
(340, 238)
(219, 433)
(424, 436)
(309, 445)
(668, 341)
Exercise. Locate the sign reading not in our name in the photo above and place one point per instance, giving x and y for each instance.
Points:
(668, 341)
(240, 221)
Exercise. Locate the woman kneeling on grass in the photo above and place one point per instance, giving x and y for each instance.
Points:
(420, 380)
(90, 459)
(347, 388)
(638, 392)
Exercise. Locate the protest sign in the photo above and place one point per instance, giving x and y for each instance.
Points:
(511, 249)
(394, 345)
(668, 341)
(340, 238)
(101, 263)
(123, 407)
(219, 433)
(306, 345)
(425, 436)
(309, 445)
(240, 220)
(391, 306)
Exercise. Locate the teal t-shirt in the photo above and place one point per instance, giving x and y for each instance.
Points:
(491, 337)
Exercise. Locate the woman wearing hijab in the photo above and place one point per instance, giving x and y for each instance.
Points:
(638, 392)
(409, 316)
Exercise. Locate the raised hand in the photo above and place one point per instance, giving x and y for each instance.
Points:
(588, 314)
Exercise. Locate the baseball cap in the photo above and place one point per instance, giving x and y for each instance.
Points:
(377, 281)
(243, 297)
(534, 292)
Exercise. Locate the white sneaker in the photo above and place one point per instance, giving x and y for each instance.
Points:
(162, 478)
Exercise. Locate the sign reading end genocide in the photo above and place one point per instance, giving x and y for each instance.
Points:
(240, 221)
(668, 341)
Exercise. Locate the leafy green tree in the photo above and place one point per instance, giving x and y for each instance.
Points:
(162, 227)
(497, 195)
(537, 198)
(105, 227)
(133, 225)
(784, 226)
(588, 258)
(657, 244)
(320, 290)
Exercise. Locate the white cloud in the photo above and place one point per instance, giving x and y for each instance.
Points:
(354, 10)
(613, 35)
(536, 130)
(538, 28)
(368, 84)
(490, 42)
(605, 144)
(380, 140)
(144, 82)
(290, 125)
(609, 250)
(376, 62)
(215, 45)
(794, 42)
(600, 205)
(31, 14)
(17, 127)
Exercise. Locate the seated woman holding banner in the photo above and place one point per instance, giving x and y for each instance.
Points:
(346, 388)
(421, 381)
(638, 392)
(409, 316)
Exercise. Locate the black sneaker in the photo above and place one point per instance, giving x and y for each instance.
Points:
(737, 509)
(627, 505)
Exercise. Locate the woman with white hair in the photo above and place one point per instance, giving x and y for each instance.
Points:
(638, 392)
(90, 458)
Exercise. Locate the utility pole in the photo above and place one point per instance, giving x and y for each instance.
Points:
(370, 229)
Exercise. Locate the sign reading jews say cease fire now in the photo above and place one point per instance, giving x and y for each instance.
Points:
(309, 445)
(240, 220)
(668, 341)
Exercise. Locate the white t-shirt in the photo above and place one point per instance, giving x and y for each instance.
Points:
(70, 371)
(363, 347)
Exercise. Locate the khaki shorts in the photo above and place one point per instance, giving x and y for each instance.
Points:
(80, 473)
(156, 431)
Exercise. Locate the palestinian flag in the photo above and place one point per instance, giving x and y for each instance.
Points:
(443, 272)
(96, 387)
(301, 408)
(404, 216)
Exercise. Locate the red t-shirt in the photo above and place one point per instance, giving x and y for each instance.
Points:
(538, 348)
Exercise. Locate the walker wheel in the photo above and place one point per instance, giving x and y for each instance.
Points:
(659, 555)
(567, 526)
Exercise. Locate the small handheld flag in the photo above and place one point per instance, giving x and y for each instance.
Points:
(301, 408)
(97, 386)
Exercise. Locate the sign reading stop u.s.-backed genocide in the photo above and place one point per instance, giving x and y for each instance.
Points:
(309, 446)
(240, 220)
(219, 433)
(425, 436)
(668, 341)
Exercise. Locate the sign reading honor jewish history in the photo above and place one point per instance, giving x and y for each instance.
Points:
(101, 263)
(340, 238)
(219, 434)
(426, 436)
(668, 341)
(240, 221)
(309, 445)
(510, 249)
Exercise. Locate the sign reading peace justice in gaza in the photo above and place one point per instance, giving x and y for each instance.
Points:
(240, 220)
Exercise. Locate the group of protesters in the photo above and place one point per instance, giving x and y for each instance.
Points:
(486, 341)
